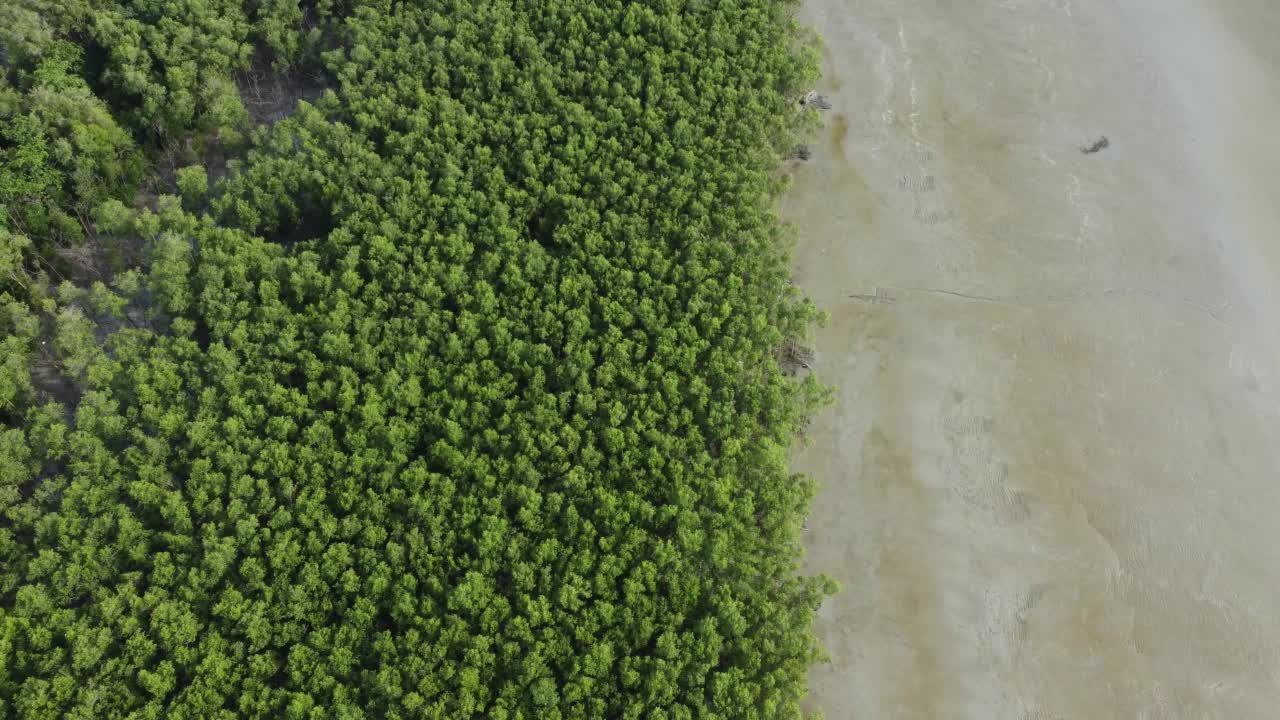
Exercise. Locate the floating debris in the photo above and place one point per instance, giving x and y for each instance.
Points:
(793, 356)
(800, 152)
(879, 298)
(1102, 144)
(813, 99)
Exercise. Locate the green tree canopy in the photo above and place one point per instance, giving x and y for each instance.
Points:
(461, 401)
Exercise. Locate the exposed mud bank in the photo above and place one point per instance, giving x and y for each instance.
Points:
(1051, 478)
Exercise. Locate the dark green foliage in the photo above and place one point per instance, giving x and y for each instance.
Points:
(168, 63)
(170, 60)
(90, 91)
(466, 403)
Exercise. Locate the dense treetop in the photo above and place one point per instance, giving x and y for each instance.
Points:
(458, 397)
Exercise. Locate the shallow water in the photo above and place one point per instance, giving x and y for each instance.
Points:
(1050, 483)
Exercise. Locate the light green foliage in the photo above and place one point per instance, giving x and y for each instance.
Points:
(75, 341)
(62, 151)
(113, 217)
(25, 32)
(193, 183)
(27, 178)
(97, 157)
(466, 403)
(18, 330)
(278, 23)
(12, 248)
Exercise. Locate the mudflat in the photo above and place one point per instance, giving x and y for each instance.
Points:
(1050, 482)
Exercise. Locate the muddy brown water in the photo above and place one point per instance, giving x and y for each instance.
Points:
(1050, 481)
